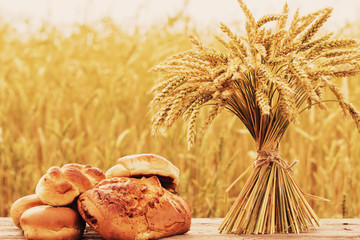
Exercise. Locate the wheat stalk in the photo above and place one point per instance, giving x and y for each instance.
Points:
(266, 78)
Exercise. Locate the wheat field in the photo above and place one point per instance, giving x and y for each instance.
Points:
(83, 97)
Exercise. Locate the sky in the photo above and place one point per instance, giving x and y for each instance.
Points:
(143, 12)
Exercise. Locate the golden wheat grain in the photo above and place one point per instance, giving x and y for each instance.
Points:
(336, 53)
(261, 49)
(222, 41)
(285, 13)
(269, 18)
(249, 16)
(235, 40)
(199, 45)
(316, 25)
(303, 80)
(263, 101)
(191, 126)
(343, 59)
(278, 60)
(294, 22)
(177, 81)
(331, 45)
(315, 42)
(259, 38)
(213, 113)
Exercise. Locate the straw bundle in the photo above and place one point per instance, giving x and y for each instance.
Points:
(266, 78)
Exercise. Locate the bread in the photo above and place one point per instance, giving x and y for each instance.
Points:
(146, 165)
(131, 208)
(52, 223)
(23, 204)
(60, 186)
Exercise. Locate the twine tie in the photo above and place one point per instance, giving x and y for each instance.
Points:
(268, 156)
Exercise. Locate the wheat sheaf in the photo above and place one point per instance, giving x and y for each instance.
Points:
(266, 77)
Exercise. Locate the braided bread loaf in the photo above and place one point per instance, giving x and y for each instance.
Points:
(60, 186)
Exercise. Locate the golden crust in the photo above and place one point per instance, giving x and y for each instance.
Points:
(60, 186)
(146, 165)
(94, 174)
(23, 204)
(52, 223)
(131, 208)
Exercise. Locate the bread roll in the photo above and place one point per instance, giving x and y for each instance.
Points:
(60, 186)
(131, 208)
(146, 165)
(52, 223)
(23, 204)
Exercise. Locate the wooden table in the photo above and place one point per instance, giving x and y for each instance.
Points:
(205, 228)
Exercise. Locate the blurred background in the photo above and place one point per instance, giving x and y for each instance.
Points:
(75, 87)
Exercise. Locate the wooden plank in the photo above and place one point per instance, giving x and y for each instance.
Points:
(205, 228)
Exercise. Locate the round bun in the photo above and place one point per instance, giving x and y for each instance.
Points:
(23, 204)
(53, 223)
(131, 208)
(146, 165)
(60, 186)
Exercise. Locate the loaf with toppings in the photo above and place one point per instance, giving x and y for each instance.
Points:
(133, 208)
